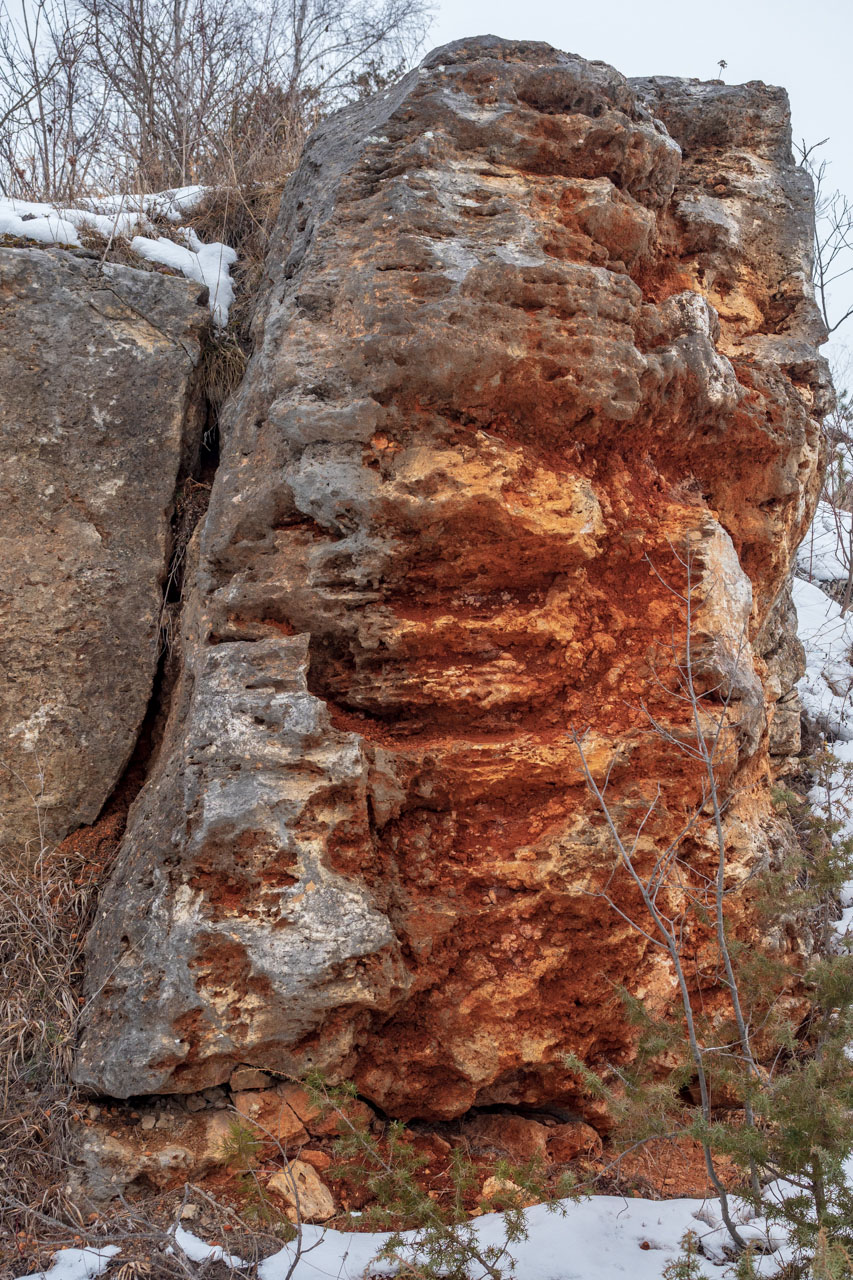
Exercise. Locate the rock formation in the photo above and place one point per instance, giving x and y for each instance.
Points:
(96, 420)
(531, 336)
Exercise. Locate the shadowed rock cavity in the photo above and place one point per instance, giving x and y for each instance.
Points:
(531, 336)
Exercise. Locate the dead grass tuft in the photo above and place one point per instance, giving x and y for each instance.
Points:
(223, 364)
(46, 902)
(117, 249)
(242, 217)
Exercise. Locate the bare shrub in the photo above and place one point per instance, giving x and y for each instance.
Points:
(53, 111)
(126, 95)
(833, 236)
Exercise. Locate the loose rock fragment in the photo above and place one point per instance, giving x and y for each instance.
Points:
(302, 1189)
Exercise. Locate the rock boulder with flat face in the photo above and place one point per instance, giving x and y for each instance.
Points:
(96, 366)
(535, 360)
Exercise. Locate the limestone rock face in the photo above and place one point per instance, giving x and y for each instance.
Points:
(536, 355)
(95, 368)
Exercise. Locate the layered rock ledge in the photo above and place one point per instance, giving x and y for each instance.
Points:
(529, 332)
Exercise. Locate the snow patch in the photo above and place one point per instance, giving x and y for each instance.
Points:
(827, 637)
(602, 1238)
(821, 556)
(77, 1264)
(128, 217)
(197, 1251)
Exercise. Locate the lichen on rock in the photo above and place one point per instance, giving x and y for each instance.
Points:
(528, 331)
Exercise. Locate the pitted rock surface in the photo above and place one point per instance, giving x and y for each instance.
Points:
(96, 368)
(523, 349)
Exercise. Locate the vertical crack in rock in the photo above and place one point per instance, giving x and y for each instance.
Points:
(527, 328)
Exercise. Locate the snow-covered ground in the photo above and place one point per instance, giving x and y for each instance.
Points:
(78, 1264)
(826, 689)
(600, 1238)
(825, 551)
(128, 217)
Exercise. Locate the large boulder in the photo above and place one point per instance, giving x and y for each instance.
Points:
(525, 375)
(96, 365)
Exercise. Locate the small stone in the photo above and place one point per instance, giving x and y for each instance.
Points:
(515, 1136)
(216, 1138)
(322, 1122)
(189, 1212)
(317, 1159)
(301, 1187)
(213, 1095)
(269, 1110)
(499, 1188)
(195, 1102)
(438, 1145)
(148, 1123)
(249, 1078)
(568, 1141)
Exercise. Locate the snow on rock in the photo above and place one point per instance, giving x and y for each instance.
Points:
(77, 1264)
(128, 217)
(206, 263)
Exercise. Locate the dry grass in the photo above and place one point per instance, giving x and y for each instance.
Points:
(223, 363)
(243, 217)
(116, 248)
(45, 905)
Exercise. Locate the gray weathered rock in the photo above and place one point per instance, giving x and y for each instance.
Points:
(96, 366)
(264, 775)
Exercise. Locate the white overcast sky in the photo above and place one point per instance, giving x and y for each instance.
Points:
(806, 46)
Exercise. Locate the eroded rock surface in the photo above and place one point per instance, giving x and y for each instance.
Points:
(524, 350)
(96, 362)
